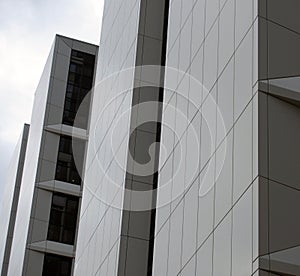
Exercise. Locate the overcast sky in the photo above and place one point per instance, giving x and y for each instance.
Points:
(27, 30)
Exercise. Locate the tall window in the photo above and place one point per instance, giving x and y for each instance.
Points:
(63, 218)
(55, 265)
(80, 81)
(66, 169)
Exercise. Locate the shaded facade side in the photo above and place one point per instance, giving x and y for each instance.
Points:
(279, 147)
(138, 222)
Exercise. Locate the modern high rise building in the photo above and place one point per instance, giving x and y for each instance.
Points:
(192, 160)
(221, 147)
(44, 238)
(10, 199)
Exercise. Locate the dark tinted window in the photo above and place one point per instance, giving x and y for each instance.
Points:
(66, 169)
(63, 218)
(80, 81)
(55, 265)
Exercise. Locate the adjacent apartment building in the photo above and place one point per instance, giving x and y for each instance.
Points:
(9, 205)
(192, 160)
(49, 194)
